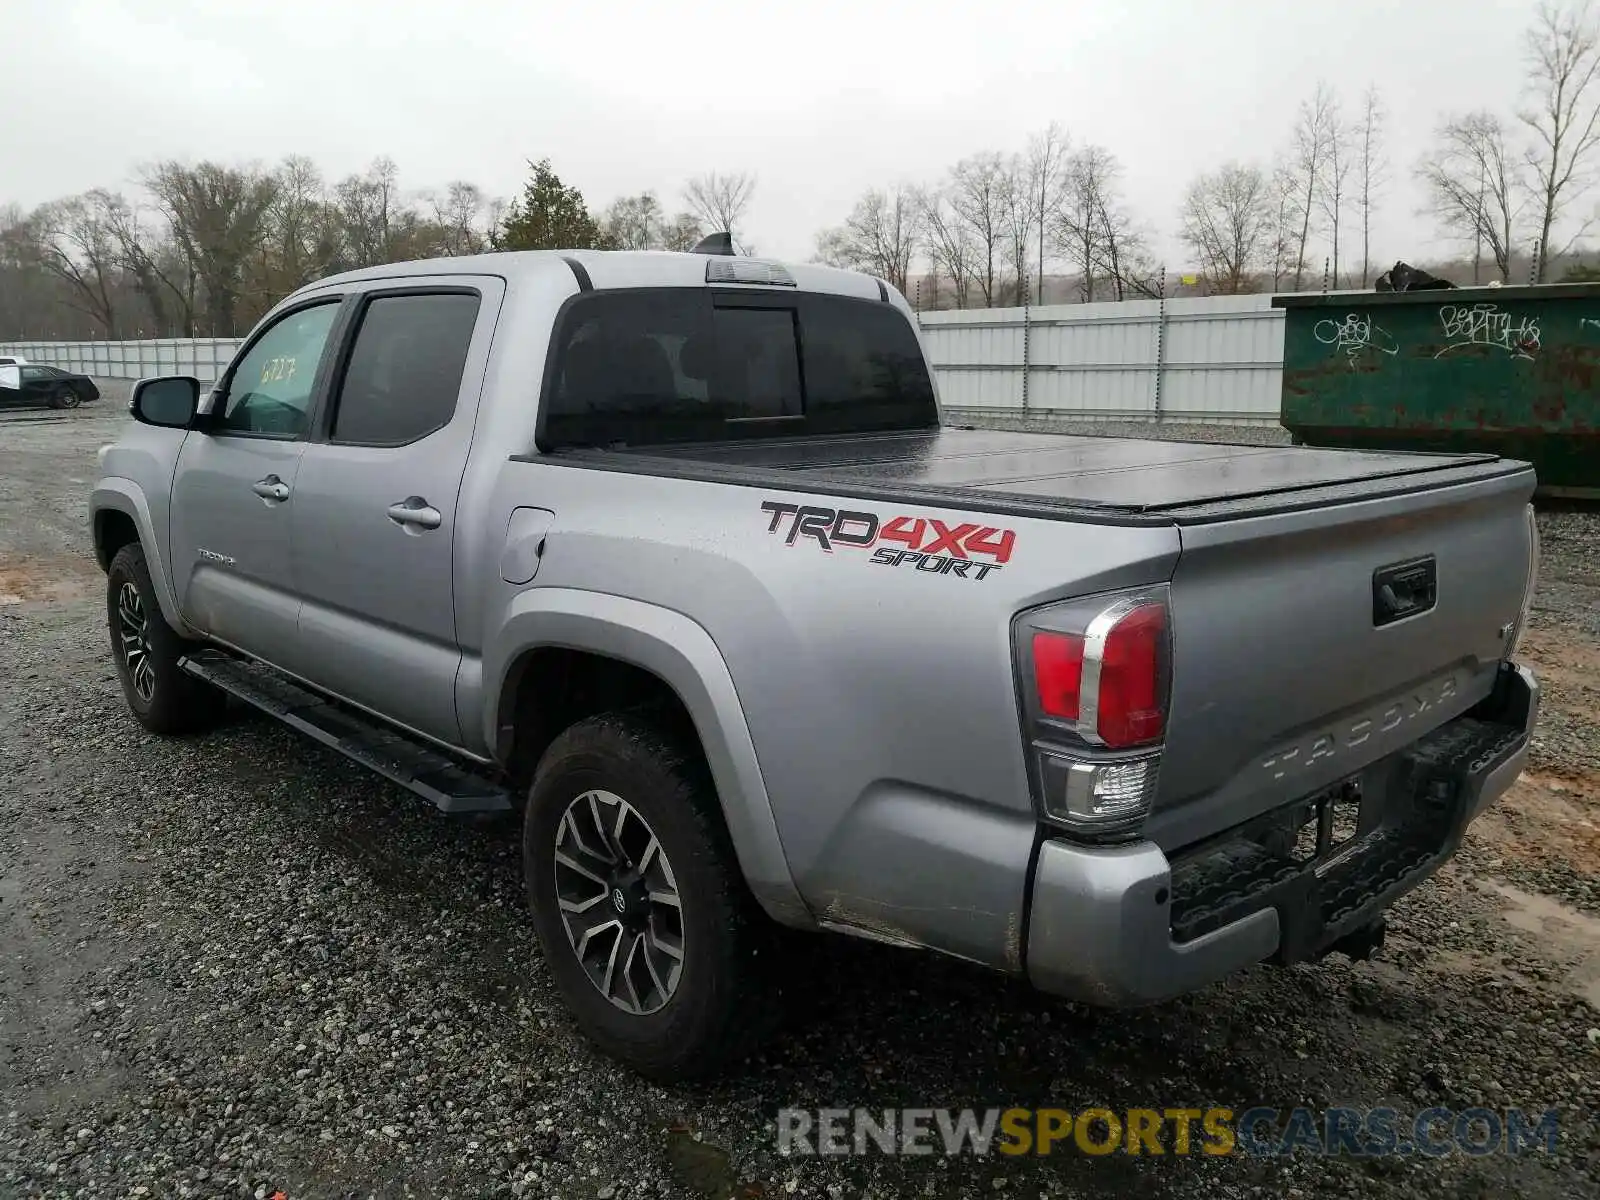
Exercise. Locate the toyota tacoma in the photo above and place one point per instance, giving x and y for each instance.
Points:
(672, 558)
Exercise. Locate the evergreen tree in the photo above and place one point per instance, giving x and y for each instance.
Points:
(549, 215)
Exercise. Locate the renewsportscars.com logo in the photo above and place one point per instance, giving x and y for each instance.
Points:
(964, 549)
(1255, 1132)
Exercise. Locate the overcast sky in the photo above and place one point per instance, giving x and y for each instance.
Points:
(819, 99)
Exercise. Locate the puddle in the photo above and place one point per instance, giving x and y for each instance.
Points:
(1571, 937)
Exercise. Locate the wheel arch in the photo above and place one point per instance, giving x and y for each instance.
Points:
(120, 516)
(651, 653)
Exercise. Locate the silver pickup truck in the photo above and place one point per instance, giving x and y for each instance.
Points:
(672, 556)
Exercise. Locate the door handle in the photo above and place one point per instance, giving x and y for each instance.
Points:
(415, 511)
(271, 488)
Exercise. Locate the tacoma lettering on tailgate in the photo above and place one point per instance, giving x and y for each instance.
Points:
(1332, 742)
(925, 543)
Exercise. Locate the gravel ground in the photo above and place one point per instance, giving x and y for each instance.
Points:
(237, 965)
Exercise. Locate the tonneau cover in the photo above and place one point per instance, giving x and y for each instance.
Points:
(1127, 474)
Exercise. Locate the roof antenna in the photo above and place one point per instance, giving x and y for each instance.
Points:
(716, 243)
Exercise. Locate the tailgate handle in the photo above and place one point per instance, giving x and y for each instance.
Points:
(1404, 590)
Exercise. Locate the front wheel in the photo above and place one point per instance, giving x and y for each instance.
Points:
(161, 694)
(651, 935)
(65, 397)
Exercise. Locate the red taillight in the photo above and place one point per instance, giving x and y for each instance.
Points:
(1058, 673)
(1109, 685)
(1129, 710)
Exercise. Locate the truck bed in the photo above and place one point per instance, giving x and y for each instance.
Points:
(1127, 479)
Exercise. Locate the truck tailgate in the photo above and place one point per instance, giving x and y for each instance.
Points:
(1308, 644)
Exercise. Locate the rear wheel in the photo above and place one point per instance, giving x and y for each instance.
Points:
(163, 697)
(65, 397)
(651, 935)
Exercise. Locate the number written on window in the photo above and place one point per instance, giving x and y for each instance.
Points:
(269, 391)
(279, 370)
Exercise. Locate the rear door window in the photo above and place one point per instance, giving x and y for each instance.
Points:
(405, 368)
(665, 365)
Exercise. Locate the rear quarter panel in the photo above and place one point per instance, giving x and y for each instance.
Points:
(880, 699)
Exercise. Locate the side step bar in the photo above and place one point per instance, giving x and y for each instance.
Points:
(438, 779)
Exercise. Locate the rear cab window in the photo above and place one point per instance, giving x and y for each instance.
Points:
(658, 366)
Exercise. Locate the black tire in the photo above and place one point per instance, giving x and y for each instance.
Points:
(724, 1001)
(65, 397)
(164, 698)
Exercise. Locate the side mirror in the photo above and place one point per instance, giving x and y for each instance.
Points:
(170, 401)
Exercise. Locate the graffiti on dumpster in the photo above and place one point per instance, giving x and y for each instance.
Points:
(1487, 325)
(1355, 335)
(1588, 323)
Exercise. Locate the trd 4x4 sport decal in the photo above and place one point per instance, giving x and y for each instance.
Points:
(965, 549)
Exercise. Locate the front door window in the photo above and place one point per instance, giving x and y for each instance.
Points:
(269, 391)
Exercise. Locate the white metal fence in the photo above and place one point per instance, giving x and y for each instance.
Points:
(1216, 360)
(204, 358)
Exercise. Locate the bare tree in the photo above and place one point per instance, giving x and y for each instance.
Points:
(458, 213)
(301, 241)
(134, 257)
(1308, 160)
(1127, 261)
(1333, 182)
(682, 232)
(75, 243)
(1094, 231)
(494, 216)
(1080, 231)
(1226, 220)
(1474, 184)
(1283, 202)
(209, 247)
(379, 225)
(720, 200)
(1047, 160)
(1563, 50)
(634, 222)
(1016, 207)
(27, 292)
(1371, 170)
(977, 198)
(950, 244)
(880, 236)
(218, 219)
(165, 275)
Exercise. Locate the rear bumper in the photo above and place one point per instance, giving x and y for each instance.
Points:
(1122, 926)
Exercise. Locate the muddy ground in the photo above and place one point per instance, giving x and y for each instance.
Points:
(238, 966)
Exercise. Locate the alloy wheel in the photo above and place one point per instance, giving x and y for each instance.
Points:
(619, 902)
(133, 631)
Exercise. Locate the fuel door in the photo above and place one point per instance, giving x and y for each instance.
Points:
(524, 548)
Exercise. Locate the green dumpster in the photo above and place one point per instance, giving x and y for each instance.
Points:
(1509, 370)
